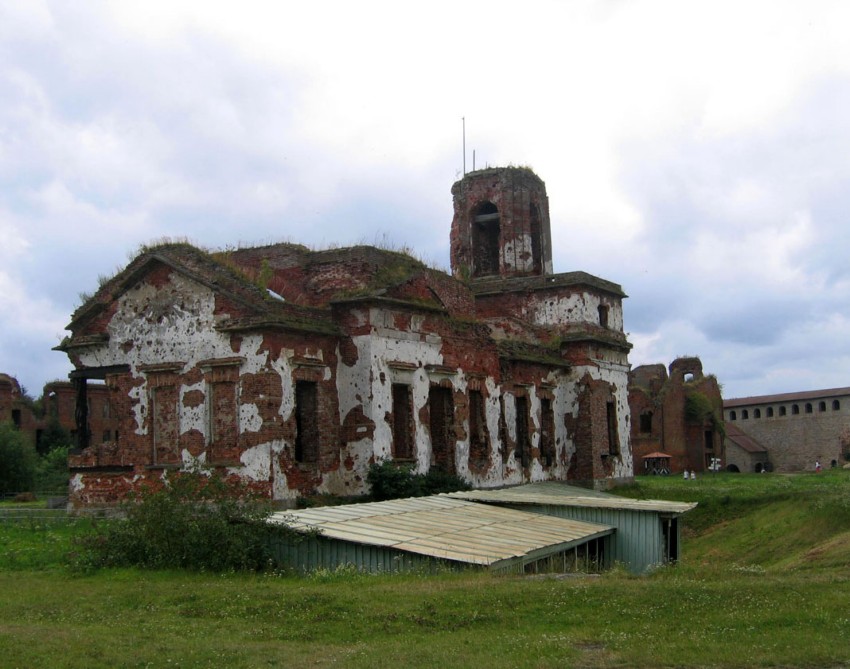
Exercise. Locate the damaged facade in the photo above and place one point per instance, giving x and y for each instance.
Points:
(294, 370)
(680, 415)
(58, 404)
(15, 409)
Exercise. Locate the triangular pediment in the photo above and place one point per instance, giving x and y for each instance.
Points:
(183, 259)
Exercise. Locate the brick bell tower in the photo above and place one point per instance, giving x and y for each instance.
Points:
(501, 225)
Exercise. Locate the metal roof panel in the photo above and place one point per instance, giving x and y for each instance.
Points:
(559, 494)
(445, 527)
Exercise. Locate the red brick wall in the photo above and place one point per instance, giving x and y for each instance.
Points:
(516, 193)
(672, 431)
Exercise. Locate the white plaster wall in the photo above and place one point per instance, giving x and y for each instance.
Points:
(353, 390)
(176, 323)
(575, 308)
(173, 323)
(514, 252)
(614, 373)
(413, 347)
(368, 384)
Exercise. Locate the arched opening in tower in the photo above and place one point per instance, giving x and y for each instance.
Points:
(485, 239)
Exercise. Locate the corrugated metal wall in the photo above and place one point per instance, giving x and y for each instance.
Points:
(312, 553)
(638, 541)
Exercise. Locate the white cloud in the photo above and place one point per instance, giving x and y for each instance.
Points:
(693, 152)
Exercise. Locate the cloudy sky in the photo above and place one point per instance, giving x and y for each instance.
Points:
(694, 152)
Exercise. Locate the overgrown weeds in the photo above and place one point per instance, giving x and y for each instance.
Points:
(194, 522)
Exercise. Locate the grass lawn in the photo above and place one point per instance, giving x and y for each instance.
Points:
(764, 581)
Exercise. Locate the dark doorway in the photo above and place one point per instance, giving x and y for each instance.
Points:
(670, 533)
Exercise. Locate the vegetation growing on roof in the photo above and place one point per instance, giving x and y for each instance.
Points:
(510, 166)
(398, 268)
(545, 353)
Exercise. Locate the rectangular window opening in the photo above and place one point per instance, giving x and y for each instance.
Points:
(479, 438)
(165, 425)
(402, 426)
(441, 410)
(613, 436)
(646, 423)
(221, 415)
(306, 422)
(547, 433)
(522, 445)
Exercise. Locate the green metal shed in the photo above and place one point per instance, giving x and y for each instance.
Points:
(648, 532)
(406, 534)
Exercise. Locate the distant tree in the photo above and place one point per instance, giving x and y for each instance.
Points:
(53, 436)
(18, 461)
(51, 472)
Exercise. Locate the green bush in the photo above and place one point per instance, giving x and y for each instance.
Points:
(51, 472)
(194, 522)
(390, 480)
(54, 436)
(18, 461)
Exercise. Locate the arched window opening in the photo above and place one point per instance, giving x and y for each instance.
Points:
(808, 407)
(795, 409)
(821, 406)
(646, 422)
(485, 239)
(745, 415)
(603, 315)
(770, 412)
(782, 411)
(688, 377)
(836, 405)
(733, 415)
(757, 413)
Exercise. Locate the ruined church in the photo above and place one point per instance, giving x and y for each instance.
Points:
(294, 370)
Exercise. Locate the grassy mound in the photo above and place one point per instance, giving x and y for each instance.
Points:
(774, 521)
(763, 583)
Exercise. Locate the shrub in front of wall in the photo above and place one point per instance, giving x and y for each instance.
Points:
(390, 480)
(437, 481)
(194, 522)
